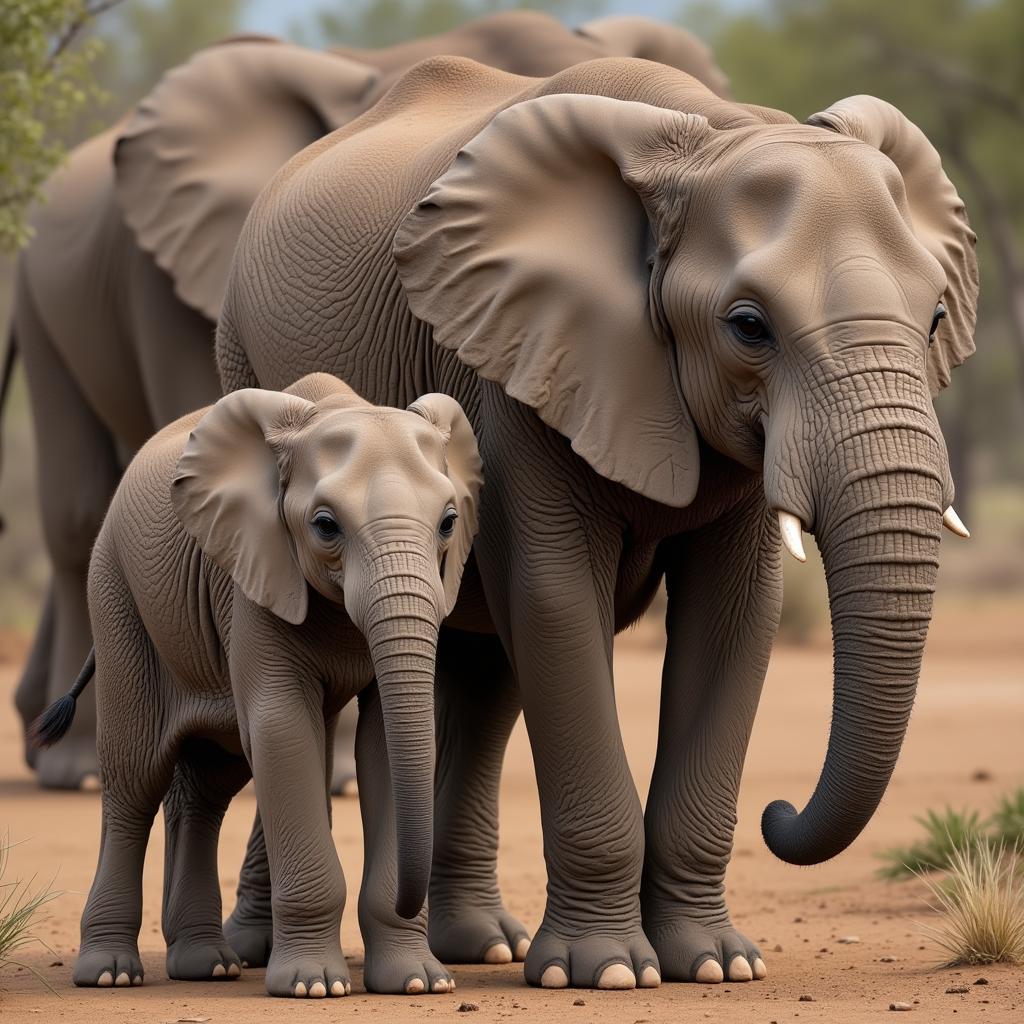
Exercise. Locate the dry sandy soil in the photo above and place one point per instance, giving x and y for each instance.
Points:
(964, 747)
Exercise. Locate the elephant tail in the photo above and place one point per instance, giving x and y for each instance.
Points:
(51, 725)
(5, 386)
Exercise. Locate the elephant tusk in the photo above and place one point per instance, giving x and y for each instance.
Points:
(791, 529)
(951, 521)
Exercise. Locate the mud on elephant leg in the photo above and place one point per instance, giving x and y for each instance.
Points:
(724, 594)
(477, 706)
(205, 779)
(398, 957)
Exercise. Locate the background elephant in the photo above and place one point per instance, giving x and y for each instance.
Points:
(676, 323)
(325, 540)
(118, 294)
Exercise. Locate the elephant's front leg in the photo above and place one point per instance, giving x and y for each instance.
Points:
(724, 598)
(477, 706)
(283, 722)
(549, 587)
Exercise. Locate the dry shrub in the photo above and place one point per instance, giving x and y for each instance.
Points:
(981, 901)
(19, 911)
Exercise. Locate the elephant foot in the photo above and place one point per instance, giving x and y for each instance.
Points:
(189, 960)
(603, 960)
(308, 976)
(110, 967)
(250, 936)
(475, 935)
(690, 951)
(71, 764)
(390, 969)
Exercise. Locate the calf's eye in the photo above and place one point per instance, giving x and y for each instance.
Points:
(447, 527)
(748, 327)
(940, 314)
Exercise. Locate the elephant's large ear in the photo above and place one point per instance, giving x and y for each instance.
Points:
(531, 258)
(629, 35)
(937, 214)
(226, 492)
(199, 148)
(466, 472)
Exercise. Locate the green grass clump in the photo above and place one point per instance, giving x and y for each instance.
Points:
(945, 834)
(1007, 823)
(981, 902)
(19, 911)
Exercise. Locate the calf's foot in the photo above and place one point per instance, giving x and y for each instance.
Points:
(109, 967)
(591, 958)
(197, 960)
(708, 954)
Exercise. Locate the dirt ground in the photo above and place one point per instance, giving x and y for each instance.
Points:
(966, 744)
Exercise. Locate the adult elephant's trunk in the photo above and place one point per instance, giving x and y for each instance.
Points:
(400, 621)
(878, 518)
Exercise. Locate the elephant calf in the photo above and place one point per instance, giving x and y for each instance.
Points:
(263, 561)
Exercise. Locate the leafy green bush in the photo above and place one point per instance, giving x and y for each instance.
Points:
(945, 834)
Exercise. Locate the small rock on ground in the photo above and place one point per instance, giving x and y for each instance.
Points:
(468, 1007)
(806, 999)
(900, 1006)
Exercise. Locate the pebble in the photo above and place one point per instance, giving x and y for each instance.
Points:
(957, 990)
(887, 959)
(848, 940)
(468, 1007)
(981, 981)
(778, 947)
(806, 999)
(578, 1002)
(900, 1006)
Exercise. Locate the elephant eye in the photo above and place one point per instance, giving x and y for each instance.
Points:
(447, 527)
(326, 526)
(940, 314)
(748, 327)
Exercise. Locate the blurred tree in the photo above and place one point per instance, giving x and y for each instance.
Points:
(45, 81)
(377, 23)
(954, 67)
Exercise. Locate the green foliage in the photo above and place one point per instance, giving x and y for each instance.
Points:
(1007, 823)
(377, 23)
(44, 83)
(982, 907)
(945, 834)
(19, 911)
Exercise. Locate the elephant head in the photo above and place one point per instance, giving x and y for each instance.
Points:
(793, 295)
(194, 153)
(375, 509)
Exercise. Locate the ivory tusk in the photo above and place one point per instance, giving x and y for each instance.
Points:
(791, 529)
(951, 521)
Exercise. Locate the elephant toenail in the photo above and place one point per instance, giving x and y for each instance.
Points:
(338, 989)
(300, 990)
(317, 990)
(710, 972)
(649, 977)
(234, 970)
(414, 986)
(617, 976)
(760, 971)
(219, 971)
(739, 969)
(123, 981)
(137, 980)
(348, 988)
(439, 986)
(554, 976)
(451, 984)
(105, 980)
(499, 953)
(522, 948)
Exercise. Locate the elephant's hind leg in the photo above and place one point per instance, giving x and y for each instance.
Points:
(724, 594)
(205, 780)
(30, 696)
(250, 928)
(477, 706)
(78, 472)
(398, 957)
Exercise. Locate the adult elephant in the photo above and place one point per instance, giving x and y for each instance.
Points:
(119, 292)
(677, 323)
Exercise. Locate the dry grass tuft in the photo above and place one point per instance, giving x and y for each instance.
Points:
(981, 901)
(19, 911)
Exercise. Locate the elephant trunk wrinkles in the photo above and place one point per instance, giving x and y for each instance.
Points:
(401, 624)
(878, 528)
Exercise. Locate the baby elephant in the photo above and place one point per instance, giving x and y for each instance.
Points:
(262, 562)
